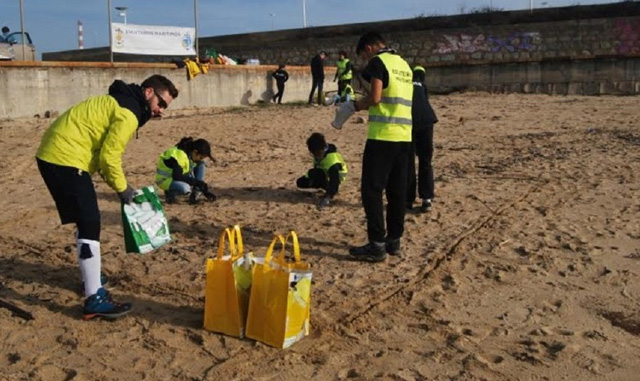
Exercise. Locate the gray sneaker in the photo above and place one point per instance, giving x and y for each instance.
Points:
(393, 247)
(426, 205)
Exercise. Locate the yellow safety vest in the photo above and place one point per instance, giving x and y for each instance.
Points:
(347, 90)
(390, 120)
(343, 74)
(164, 173)
(329, 161)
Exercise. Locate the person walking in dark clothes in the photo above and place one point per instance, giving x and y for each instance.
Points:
(423, 118)
(281, 76)
(329, 169)
(317, 76)
(384, 163)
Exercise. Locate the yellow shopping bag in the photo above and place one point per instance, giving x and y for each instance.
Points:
(280, 301)
(228, 284)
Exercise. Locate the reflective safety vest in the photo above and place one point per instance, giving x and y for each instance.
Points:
(329, 161)
(390, 120)
(164, 173)
(343, 74)
(347, 90)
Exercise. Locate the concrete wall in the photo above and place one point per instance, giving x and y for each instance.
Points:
(586, 50)
(28, 89)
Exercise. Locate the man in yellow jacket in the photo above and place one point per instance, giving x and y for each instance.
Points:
(386, 153)
(91, 137)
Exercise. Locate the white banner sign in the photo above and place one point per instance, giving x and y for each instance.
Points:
(153, 40)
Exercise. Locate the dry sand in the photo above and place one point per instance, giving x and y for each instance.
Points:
(526, 268)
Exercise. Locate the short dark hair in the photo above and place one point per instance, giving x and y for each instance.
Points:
(281, 66)
(369, 38)
(316, 142)
(342, 53)
(5, 29)
(323, 52)
(160, 83)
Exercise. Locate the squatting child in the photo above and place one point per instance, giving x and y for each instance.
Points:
(182, 167)
(329, 169)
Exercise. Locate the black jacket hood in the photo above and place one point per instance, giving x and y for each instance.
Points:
(331, 148)
(131, 97)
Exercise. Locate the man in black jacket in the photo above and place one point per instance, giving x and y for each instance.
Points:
(317, 75)
(423, 118)
(281, 76)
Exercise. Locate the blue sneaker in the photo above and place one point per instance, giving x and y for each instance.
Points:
(100, 304)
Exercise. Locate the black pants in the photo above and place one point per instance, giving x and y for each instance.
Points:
(422, 146)
(384, 167)
(75, 197)
(316, 179)
(317, 83)
(280, 92)
(342, 83)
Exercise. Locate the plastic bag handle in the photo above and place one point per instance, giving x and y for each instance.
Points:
(296, 246)
(230, 234)
(237, 234)
(277, 237)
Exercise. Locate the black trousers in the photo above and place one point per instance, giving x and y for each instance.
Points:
(422, 146)
(342, 83)
(280, 92)
(317, 179)
(316, 83)
(384, 168)
(75, 197)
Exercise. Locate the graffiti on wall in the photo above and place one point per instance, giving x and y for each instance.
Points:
(628, 35)
(464, 43)
(515, 42)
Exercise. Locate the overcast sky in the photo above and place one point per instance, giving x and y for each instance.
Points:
(53, 23)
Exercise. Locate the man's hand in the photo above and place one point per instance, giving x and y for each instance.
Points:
(324, 202)
(126, 196)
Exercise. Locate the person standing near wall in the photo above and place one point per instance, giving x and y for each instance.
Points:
(281, 76)
(317, 76)
(423, 118)
(91, 136)
(344, 71)
(384, 164)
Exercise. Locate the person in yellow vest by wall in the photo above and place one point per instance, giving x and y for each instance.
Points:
(347, 95)
(344, 73)
(180, 170)
(386, 153)
(91, 137)
(329, 169)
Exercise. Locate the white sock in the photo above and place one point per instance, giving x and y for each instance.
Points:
(89, 260)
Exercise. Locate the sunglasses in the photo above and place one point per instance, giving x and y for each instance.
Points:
(161, 102)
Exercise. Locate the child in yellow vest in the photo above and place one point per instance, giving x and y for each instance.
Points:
(180, 170)
(329, 169)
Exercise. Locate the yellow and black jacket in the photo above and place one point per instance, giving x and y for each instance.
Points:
(334, 167)
(93, 134)
(173, 165)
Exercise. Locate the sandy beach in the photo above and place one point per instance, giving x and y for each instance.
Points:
(526, 268)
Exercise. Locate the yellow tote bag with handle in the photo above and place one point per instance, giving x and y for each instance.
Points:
(228, 285)
(280, 301)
